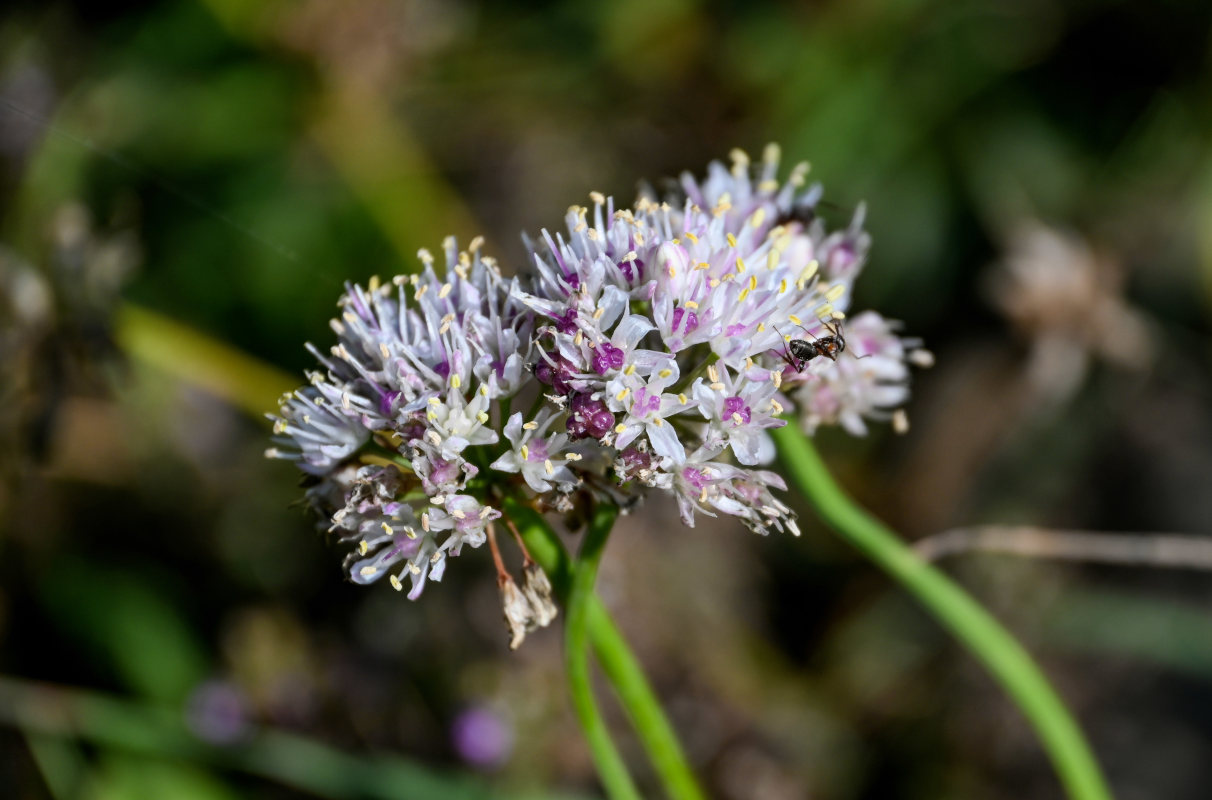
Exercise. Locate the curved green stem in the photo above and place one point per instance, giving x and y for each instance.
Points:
(983, 635)
(618, 662)
(613, 771)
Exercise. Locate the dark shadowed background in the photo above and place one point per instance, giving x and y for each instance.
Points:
(1038, 178)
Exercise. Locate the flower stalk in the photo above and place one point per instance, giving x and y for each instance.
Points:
(618, 663)
(977, 630)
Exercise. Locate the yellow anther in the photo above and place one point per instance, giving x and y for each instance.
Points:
(714, 282)
(772, 259)
(758, 218)
(783, 286)
(691, 237)
(665, 373)
(776, 378)
(482, 417)
(476, 243)
(597, 314)
(529, 426)
(455, 381)
(598, 198)
(682, 398)
(620, 428)
(690, 304)
(740, 265)
(364, 547)
(395, 583)
(412, 532)
(761, 327)
(419, 293)
(737, 418)
(445, 290)
(484, 389)
(835, 293)
(548, 466)
(823, 311)
(629, 369)
(525, 453)
(367, 572)
(731, 240)
(753, 281)
(717, 387)
(425, 256)
(713, 373)
(776, 406)
(794, 319)
(744, 293)
(658, 421)
(622, 394)
(573, 456)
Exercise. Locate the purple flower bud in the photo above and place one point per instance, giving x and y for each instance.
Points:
(607, 357)
(590, 418)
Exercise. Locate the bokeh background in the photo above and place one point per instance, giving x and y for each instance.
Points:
(199, 177)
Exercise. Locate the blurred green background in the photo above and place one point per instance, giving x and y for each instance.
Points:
(1039, 184)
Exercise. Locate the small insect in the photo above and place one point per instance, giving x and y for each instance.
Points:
(798, 352)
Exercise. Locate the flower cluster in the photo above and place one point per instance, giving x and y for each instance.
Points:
(653, 346)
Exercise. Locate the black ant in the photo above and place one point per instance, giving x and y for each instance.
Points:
(798, 352)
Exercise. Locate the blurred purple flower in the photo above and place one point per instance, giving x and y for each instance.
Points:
(482, 737)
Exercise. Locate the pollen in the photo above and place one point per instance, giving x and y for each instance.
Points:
(482, 417)
(573, 456)
(690, 304)
(395, 583)
(740, 265)
(620, 428)
(598, 198)
(530, 426)
(682, 398)
(548, 466)
(794, 319)
(623, 393)
(665, 373)
(455, 381)
(368, 572)
(525, 451)
(691, 237)
(776, 406)
(364, 547)
(731, 240)
(629, 369)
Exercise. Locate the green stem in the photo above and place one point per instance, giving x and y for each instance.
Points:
(983, 635)
(611, 767)
(618, 662)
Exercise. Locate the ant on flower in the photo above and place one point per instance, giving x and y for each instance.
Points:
(798, 352)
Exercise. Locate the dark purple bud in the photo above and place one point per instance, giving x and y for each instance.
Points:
(607, 357)
(589, 419)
